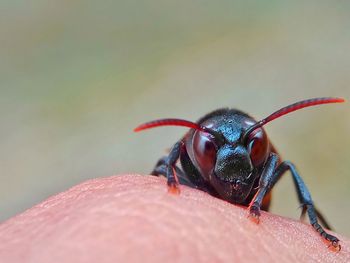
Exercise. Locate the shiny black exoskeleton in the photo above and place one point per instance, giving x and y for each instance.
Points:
(228, 154)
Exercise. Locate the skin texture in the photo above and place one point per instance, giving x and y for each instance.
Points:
(132, 218)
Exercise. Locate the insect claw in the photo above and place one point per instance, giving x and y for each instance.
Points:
(336, 245)
(254, 218)
(254, 214)
(339, 247)
(173, 188)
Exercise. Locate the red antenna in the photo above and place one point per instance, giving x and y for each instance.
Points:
(290, 108)
(169, 122)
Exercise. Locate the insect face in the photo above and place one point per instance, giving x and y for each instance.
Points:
(233, 176)
(224, 160)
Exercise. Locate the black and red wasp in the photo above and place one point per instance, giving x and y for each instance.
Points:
(228, 154)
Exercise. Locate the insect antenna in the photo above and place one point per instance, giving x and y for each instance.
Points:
(180, 122)
(169, 122)
(290, 108)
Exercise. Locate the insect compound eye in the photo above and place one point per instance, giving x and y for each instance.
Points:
(205, 150)
(258, 146)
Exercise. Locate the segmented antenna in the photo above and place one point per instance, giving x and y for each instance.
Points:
(169, 122)
(290, 108)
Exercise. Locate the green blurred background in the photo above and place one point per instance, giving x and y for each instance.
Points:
(78, 76)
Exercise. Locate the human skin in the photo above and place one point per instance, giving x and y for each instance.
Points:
(133, 218)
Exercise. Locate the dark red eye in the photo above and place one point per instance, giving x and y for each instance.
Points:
(205, 151)
(258, 146)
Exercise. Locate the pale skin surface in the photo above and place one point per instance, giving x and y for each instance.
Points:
(133, 218)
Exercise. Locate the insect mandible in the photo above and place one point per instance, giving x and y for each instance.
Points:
(228, 154)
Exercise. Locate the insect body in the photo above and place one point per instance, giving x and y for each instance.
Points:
(227, 154)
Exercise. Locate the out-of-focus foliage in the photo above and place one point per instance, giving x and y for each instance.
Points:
(77, 76)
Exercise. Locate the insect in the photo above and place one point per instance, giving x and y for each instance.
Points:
(228, 154)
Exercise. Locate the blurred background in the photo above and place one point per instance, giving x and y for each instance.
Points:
(77, 76)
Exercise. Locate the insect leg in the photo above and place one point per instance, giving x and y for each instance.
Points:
(319, 216)
(161, 162)
(161, 169)
(267, 181)
(166, 166)
(306, 200)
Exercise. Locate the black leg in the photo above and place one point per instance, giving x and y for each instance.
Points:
(319, 216)
(270, 176)
(161, 169)
(306, 200)
(166, 166)
(266, 182)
